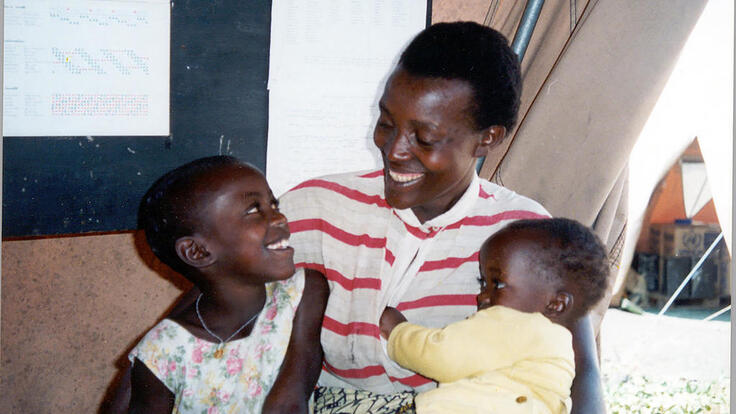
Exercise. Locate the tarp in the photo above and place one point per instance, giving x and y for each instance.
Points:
(592, 74)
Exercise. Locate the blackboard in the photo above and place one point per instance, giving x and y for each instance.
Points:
(219, 105)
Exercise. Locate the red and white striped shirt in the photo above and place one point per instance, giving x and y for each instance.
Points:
(374, 256)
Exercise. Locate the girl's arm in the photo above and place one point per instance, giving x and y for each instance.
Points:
(303, 360)
(148, 394)
(587, 391)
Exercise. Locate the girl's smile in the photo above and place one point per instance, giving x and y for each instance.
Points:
(244, 228)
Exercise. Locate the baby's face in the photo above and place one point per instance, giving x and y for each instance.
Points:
(507, 272)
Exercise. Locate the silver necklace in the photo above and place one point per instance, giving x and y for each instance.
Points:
(219, 351)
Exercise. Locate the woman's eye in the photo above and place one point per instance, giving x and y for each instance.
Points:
(498, 284)
(482, 282)
(251, 210)
(422, 141)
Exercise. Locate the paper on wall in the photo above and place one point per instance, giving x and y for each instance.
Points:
(329, 60)
(86, 67)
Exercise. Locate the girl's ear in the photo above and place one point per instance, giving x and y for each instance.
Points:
(492, 136)
(192, 250)
(559, 304)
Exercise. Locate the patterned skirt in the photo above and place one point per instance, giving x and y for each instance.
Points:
(331, 400)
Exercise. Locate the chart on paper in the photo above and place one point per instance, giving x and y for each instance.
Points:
(105, 71)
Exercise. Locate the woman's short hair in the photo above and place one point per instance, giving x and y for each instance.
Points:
(476, 54)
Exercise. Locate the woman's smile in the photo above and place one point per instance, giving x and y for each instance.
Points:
(404, 178)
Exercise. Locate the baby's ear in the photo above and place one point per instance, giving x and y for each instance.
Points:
(558, 305)
(192, 250)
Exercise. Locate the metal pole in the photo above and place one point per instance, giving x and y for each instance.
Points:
(521, 41)
(717, 314)
(526, 27)
(691, 274)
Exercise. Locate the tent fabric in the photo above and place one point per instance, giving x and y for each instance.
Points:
(587, 95)
(571, 148)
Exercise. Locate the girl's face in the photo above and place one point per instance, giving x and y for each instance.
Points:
(428, 142)
(509, 276)
(244, 228)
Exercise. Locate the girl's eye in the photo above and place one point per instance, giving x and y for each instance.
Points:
(498, 284)
(482, 282)
(251, 210)
(275, 205)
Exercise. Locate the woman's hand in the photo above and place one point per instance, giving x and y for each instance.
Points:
(389, 319)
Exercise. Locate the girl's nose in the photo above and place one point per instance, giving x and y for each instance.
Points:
(276, 218)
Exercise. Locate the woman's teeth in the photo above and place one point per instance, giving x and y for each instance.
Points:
(403, 178)
(279, 245)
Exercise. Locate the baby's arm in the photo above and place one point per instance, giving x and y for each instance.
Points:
(389, 319)
(148, 394)
(444, 354)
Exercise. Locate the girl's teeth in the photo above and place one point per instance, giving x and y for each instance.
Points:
(282, 244)
(403, 178)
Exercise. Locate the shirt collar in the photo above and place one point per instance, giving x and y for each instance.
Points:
(456, 213)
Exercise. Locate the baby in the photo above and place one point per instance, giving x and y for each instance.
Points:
(515, 355)
(215, 221)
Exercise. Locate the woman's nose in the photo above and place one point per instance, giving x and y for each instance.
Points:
(398, 147)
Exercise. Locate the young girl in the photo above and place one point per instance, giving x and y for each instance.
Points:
(216, 222)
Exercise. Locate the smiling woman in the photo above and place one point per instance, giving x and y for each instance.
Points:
(428, 142)
(408, 236)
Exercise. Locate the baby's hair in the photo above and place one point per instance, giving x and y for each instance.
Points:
(574, 254)
(476, 54)
(169, 209)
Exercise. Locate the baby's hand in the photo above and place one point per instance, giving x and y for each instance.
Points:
(389, 319)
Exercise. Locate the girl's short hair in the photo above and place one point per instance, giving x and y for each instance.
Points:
(170, 208)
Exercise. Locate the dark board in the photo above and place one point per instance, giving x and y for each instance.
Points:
(219, 70)
(219, 105)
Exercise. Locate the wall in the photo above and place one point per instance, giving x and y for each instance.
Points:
(71, 309)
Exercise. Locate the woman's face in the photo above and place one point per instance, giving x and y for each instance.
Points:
(428, 142)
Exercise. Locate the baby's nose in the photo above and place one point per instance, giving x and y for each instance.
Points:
(483, 299)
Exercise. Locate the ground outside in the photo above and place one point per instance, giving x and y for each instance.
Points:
(665, 364)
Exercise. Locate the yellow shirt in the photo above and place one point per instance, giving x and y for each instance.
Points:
(498, 360)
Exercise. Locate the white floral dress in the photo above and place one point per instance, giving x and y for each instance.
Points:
(240, 379)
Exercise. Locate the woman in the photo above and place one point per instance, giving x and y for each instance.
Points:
(407, 236)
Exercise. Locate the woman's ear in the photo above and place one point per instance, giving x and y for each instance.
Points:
(558, 305)
(492, 136)
(192, 250)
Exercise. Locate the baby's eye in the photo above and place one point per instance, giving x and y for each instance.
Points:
(498, 284)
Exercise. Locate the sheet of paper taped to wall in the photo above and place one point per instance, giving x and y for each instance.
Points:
(83, 67)
(328, 65)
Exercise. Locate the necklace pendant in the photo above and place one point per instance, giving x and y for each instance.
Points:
(219, 352)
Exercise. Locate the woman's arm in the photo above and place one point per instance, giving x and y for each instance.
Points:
(587, 391)
(148, 394)
(303, 360)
